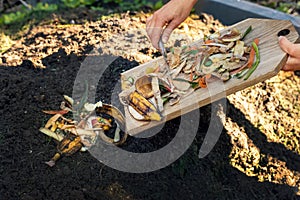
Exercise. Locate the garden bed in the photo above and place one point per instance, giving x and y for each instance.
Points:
(256, 157)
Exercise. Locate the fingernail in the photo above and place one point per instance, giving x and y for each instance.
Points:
(281, 37)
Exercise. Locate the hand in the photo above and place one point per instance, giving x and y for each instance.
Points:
(170, 15)
(293, 50)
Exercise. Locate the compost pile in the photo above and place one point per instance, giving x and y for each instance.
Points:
(256, 157)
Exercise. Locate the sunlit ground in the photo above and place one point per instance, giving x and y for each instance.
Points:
(273, 108)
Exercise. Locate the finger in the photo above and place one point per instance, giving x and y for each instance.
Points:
(150, 25)
(148, 22)
(154, 29)
(154, 35)
(292, 64)
(289, 47)
(166, 35)
(168, 31)
(288, 68)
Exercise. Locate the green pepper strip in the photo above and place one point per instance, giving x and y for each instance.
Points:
(257, 61)
(249, 29)
(241, 74)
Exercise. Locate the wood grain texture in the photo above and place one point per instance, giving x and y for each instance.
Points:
(272, 59)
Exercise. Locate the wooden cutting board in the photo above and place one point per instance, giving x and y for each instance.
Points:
(272, 59)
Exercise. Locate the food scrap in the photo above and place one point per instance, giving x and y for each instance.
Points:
(222, 55)
(95, 120)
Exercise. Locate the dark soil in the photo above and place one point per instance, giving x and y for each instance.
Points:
(26, 90)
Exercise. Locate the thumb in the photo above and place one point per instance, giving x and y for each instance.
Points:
(285, 44)
(167, 32)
